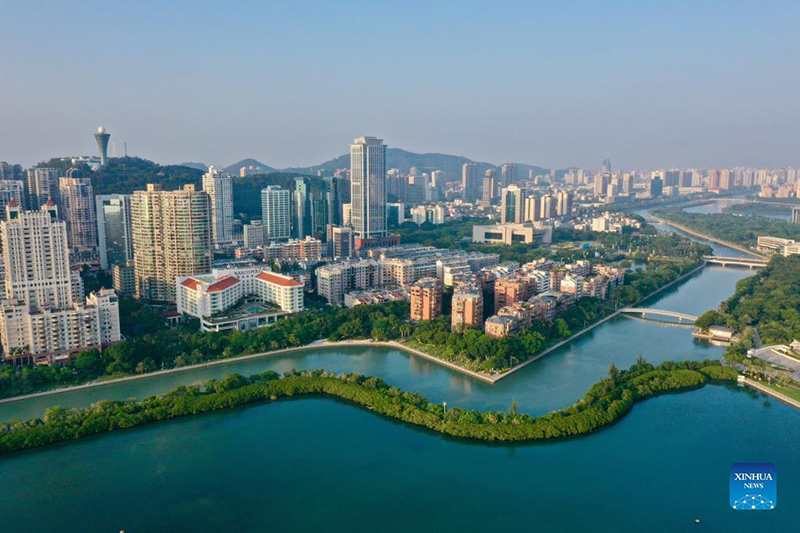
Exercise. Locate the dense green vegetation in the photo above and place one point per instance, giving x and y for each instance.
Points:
(605, 403)
(769, 300)
(759, 209)
(247, 190)
(741, 230)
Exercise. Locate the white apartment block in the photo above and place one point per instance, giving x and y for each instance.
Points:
(219, 187)
(43, 313)
(337, 279)
(275, 214)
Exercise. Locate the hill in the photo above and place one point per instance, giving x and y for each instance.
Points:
(195, 165)
(404, 160)
(249, 162)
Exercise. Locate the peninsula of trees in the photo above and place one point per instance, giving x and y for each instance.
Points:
(605, 403)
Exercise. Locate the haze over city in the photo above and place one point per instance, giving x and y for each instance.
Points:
(658, 85)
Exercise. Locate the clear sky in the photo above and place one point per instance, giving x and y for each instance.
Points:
(290, 83)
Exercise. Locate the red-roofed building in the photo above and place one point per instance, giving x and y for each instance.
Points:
(214, 294)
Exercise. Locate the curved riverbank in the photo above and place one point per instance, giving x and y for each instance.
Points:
(696, 233)
(605, 403)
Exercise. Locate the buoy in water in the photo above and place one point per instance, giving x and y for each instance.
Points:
(696, 520)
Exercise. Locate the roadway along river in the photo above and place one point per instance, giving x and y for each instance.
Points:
(317, 464)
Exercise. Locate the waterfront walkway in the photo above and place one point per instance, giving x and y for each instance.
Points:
(772, 392)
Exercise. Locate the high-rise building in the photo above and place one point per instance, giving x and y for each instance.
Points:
(426, 299)
(564, 203)
(42, 185)
(601, 184)
(627, 183)
(171, 238)
(470, 183)
(512, 205)
(114, 229)
(489, 188)
(302, 225)
(11, 190)
(219, 187)
(656, 187)
(77, 208)
(253, 234)
(102, 143)
(796, 215)
(368, 187)
(340, 241)
(547, 207)
(532, 213)
(10, 172)
(42, 313)
(607, 165)
(508, 174)
(333, 202)
(275, 214)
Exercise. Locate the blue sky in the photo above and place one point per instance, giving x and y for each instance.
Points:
(648, 84)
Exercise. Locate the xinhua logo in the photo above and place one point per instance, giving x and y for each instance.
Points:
(753, 487)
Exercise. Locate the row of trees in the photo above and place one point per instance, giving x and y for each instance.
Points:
(606, 402)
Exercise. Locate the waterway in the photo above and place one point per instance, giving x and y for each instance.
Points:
(720, 206)
(318, 464)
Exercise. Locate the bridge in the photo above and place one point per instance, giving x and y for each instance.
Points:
(659, 312)
(751, 262)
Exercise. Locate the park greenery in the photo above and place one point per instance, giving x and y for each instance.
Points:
(769, 301)
(759, 209)
(741, 230)
(605, 403)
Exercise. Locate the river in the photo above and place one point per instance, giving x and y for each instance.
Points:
(318, 464)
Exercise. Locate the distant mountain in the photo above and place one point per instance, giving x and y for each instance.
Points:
(404, 160)
(234, 168)
(195, 165)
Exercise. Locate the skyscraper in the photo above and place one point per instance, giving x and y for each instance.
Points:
(470, 183)
(564, 207)
(171, 238)
(77, 208)
(275, 212)
(601, 184)
(489, 187)
(368, 187)
(607, 165)
(102, 143)
(512, 205)
(219, 187)
(333, 202)
(302, 225)
(42, 185)
(114, 229)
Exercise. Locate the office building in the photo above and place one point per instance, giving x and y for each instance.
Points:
(489, 187)
(275, 214)
(426, 299)
(78, 210)
(512, 205)
(10, 172)
(333, 204)
(470, 182)
(114, 229)
(340, 241)
(512, 234)
(302, 224)
(368, 188)
(601, 184)
(171, 238)
(219, 187)
(43, 313)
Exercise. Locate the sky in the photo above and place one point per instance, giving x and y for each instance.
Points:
(291, 83)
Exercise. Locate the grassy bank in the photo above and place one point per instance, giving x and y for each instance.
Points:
(605, 403)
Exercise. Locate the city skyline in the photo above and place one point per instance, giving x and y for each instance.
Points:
(646, 86)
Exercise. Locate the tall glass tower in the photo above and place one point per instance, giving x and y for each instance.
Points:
(102, 142)
(368, 187)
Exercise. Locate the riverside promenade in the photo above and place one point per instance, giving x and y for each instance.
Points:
(696, 233)
(772, 392)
